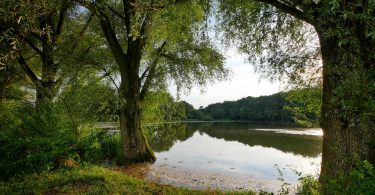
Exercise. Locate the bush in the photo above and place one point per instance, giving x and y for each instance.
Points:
(309, 186)
(360, 180)
(96, 145)
(33, 138)
(39, 139)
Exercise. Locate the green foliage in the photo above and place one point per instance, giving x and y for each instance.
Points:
(199, 115)
(300, 106)
(260, 109)
(182, 110)
(97, 145)
(89, 98)
(32, 142)
(158, 107)
(309, 186)
(173, 49)
(360, 180)
(33, 139)
(9, 119)
(279, 45)
(305, 105)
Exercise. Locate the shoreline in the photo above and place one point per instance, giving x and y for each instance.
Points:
(194, 179)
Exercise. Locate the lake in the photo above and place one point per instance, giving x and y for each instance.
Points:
(233, 155)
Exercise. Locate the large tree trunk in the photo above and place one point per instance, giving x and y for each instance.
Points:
(134, 141)
(348, 120)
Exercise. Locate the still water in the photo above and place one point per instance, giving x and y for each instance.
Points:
(238, 151)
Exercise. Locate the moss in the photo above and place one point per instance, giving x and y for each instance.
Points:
(90, 180)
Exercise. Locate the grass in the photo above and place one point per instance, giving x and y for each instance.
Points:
(91, 180)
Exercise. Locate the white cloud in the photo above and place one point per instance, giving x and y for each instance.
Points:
(244, 82)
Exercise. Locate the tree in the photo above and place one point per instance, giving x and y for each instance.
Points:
(37, 39)
(347, 46)
(152, 41)
(41, 38)
(263, 109)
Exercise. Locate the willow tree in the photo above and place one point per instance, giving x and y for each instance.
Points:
(153, 42)
(41, 38)
(278, 31)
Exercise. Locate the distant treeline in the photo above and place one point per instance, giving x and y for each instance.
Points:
(299, 106)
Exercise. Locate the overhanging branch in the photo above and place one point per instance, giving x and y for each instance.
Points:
(287, 9)
(80, 35)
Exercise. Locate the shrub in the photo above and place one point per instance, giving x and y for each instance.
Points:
(309, 186)
(96, 145)
(360, 180)
(33, 139)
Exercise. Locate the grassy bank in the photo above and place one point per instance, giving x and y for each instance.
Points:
(90, 180)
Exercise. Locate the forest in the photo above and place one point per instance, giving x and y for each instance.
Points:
(67, 65)
(286, 107)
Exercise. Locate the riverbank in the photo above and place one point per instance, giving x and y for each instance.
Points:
(92, 180)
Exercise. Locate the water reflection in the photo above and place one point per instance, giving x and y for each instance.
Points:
(165, 136)
(292, 140)
(240, 148)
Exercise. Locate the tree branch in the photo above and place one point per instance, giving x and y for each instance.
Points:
(32, 45)
(127, 12)
(144, 24)
(26, 68)
(116, 13)
(37, 36)
(61, 19)
(111, 38)
(108, 32)
(287, 9)
(151, 75)
(108, 74)
(144, 74)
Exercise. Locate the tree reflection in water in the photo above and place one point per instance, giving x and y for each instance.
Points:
(163, 137)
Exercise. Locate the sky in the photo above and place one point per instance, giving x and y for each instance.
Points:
(243, 83)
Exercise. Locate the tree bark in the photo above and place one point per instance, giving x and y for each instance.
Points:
(134, 142)
(46, 89)
(135, 145)
(348, 120)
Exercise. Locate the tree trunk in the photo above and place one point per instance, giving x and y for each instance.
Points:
(46, 88)
(134, 141)
(348, 120)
